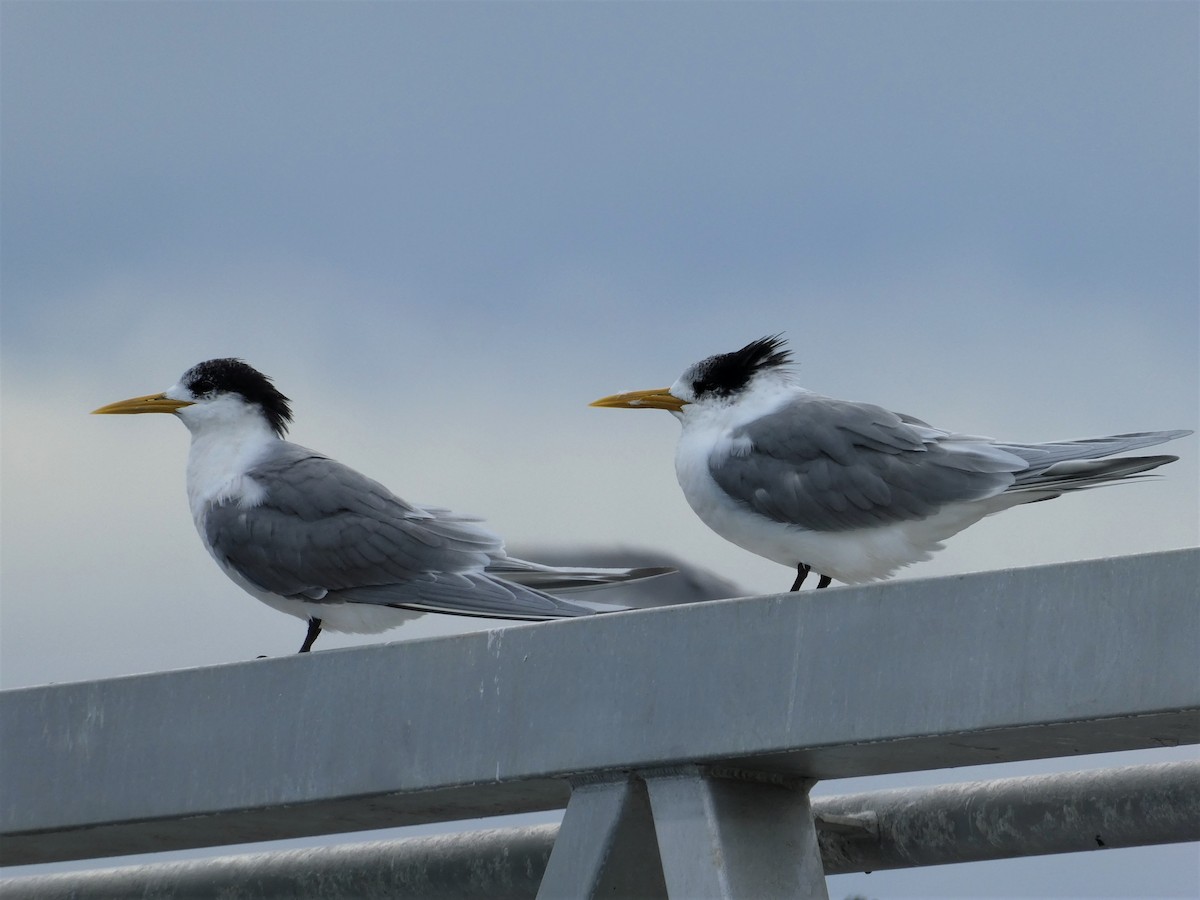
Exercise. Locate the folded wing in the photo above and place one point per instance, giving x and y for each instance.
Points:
(325, 533)
(832, 465)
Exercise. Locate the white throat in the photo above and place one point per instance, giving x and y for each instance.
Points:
(224, 448)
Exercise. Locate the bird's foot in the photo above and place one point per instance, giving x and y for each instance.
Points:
(802, 570)
(314, 630)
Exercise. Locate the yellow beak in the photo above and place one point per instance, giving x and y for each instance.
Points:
(151, 403)
(659, 398)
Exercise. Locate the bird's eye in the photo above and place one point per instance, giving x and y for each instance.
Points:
(202, 387)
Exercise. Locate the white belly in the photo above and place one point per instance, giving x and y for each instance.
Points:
(355, 618)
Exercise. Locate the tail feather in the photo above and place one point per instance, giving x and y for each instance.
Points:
(1042, 456)
(564, 579)
(1078, 475)
(464, 594)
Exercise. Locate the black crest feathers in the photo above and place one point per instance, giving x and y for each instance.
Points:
(234, 376)
(728, 373)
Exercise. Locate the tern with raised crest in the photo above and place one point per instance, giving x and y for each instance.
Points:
(847, 490)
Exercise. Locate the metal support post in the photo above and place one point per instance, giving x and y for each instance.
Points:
(734, 834)
(605, 846)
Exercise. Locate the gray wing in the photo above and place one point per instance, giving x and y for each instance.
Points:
(326, 533)
(834, 465)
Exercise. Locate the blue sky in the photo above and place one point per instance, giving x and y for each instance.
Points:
(444, 228)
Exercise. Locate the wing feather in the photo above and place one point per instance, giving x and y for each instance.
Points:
(323, 526)
(834, 465)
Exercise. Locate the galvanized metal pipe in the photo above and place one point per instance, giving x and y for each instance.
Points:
(1099, 809)
(1133, 806)
(499, 863)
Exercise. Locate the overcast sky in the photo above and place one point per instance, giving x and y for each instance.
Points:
(445, 228)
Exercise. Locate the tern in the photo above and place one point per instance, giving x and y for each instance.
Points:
(849, 490)
(311, 537)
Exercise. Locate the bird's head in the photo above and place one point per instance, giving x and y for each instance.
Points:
(717, 380)
(212, 392)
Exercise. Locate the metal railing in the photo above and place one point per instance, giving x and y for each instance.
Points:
(684, 738)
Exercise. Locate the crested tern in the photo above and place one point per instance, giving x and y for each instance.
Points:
(851, 491)
(313, 538)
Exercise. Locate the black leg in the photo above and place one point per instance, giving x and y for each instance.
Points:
(824, 582)
(314, 629)
(801, 574)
